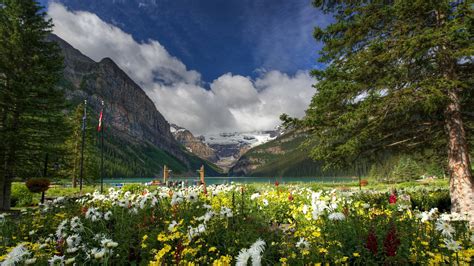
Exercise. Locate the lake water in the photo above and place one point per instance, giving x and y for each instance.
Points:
(227, 180)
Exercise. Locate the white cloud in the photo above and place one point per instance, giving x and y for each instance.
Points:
(233, 103)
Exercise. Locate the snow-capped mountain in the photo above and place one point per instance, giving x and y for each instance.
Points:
(227, 147)
(250, 139)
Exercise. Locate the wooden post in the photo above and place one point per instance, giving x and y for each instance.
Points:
(165, 174)
(201, 175)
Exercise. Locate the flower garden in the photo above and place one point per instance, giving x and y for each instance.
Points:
(237, 225)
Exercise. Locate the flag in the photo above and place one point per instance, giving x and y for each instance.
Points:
(99, 128)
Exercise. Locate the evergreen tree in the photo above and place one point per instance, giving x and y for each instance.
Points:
(31, 121)
(399, 80)
(73, 145)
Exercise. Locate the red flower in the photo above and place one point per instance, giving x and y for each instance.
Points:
(392, 199)
(391, 242)
(371, 243)
(290, 197)
(276, 183)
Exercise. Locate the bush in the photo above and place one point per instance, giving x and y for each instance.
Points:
(21, 196)
(134, 188)
(405, 168)
(426, 200)
(38, 185)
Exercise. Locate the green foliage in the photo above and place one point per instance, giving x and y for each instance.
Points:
(31, 118)
(122, 157)
(393, 67)
(288, 156)
(426, 200)
(146, 228)
(134, 188)
(405, 168)
(22, 196)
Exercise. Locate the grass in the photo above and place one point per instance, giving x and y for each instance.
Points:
(64, 191)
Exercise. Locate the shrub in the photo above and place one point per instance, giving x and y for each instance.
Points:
(134, 188)
(426, 200)
(38, 185)
(21, 196)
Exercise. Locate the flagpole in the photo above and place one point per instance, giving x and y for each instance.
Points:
(84, 118)
(102, 150)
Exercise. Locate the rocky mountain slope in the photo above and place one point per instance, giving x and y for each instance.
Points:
(230, 147)
(194, 144)
(282, 156)
(223, 149)
(141, 135)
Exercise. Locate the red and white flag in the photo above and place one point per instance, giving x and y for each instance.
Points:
(99, 128)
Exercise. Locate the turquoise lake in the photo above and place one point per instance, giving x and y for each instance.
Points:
(227, 180)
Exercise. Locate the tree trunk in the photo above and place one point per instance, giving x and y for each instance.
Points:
(461, 185)
(6, 197)
(2, 185)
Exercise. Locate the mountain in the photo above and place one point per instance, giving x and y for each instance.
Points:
(282, 156)
(229, 147)
(138, 136)
(194, 144)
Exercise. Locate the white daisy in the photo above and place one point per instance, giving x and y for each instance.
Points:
(445, 228)
(305, 209)
(192, 197)
(243, 257)
(172, 225)
(16, 255)
(337, 216)
(256, 250)
(254, 196)
(452, 245)
(226, 212)
(302, 244)
(30, 261)
(108, 216)
(56, 260)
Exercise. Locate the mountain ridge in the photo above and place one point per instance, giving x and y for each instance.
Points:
(130, 115)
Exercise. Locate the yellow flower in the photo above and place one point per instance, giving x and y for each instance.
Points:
(162, 237)
(356, 254)
(222, 261)
(212, 249)
(323, 250)
(162, 252)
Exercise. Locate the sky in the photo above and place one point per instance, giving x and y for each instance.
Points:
(211, 65)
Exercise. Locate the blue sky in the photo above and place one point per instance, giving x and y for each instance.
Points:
(209, 65)
(216, 36)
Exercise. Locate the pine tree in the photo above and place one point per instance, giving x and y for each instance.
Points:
(31, 121)
(399, 79)
(73, 145)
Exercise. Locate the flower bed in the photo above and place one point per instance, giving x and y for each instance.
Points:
(235, 225)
